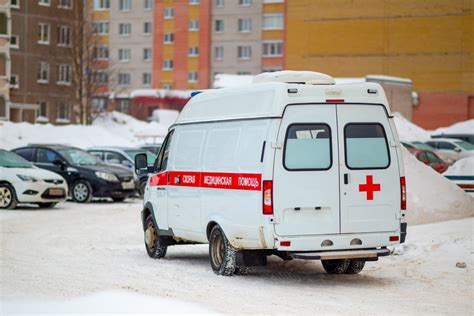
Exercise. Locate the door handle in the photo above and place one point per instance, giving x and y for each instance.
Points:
(346, 178)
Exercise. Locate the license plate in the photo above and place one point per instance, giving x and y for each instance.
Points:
(128, 185)
(56, 192)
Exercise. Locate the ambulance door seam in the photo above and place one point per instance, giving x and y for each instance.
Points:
(338, 168)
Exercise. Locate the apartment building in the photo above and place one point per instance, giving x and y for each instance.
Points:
(181, 44)
(5, 62)
(41, 85)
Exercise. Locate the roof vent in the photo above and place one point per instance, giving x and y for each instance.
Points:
(290, 76)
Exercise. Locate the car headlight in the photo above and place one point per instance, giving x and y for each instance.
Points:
(26, 178)
(107, 176)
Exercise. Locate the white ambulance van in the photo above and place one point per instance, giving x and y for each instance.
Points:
(292, 165)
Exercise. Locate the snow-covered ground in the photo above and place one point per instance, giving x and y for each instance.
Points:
(91, 258)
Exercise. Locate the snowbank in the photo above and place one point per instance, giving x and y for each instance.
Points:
(462, 167)
(164, 116)
(409, 132)
(228, 81)
(466, 127)
(431, 197)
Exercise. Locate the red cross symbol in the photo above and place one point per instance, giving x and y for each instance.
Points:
(370, 187)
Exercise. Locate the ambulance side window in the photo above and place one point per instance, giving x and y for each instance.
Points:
(366, 146)
(161, 162)
(308, 147)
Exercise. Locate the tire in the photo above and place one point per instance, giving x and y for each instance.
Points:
(222, 255)
(118, 199)
(81, 192)
(155, 245)
(355, 266)
(47, 205)
(7, 197)
(338, 266)
(142, 188)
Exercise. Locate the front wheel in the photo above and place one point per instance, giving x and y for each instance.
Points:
(7, 197)
(156, 245)
(221, 253)
(338, 266)
(82, 192)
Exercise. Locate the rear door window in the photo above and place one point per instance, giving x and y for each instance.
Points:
(366, 146)
(422, 157)
(46, 156)
(446, 146)
(308, 147)
(26, 153)
(433, 158)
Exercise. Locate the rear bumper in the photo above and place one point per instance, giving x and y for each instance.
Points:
(366, 254)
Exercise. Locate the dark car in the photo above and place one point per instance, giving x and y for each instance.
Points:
(430, 158)
(86, 175)
(465, 137)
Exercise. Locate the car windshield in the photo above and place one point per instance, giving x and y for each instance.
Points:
(150, 157)
(80, 157)
(421, 145)
(464, 145)
(12, 160)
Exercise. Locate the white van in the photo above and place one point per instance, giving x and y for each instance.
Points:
(292, 165)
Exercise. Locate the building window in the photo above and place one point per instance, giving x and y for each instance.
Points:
(169, 13)
(124, 54)
(192, 76)
(65, 4)
(146, 78)
(42, 109)
(168, 38)
(273, 21)
(168, 64)
(273, 49)
(98, 104)
(245, 25)
(125, 5)
(14, 82)
(63, 111)
(43, 33)
(147, 28)
(244, 52)
(193, 25)
(42, 75)
(101, 77)
(219, 53)
(219, 3)
(101, 4)
(46, 3)
(3, 24)
(124, 79)
(64, 74)
(147, 54)
(244, 73)
(101, 52)
(101, 28)
(245, 2)
(193, 1)
(193, 51)
(64, 36)
(167, 86)
(148, 4)
(14, 41)
(219, 25)
(15, 4)
(125, 29)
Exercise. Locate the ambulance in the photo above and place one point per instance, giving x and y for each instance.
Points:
(292, 165)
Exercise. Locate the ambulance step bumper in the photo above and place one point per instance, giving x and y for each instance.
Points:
(370, 255)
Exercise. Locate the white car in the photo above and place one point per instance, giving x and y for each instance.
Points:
(450, 149)
(22, 182)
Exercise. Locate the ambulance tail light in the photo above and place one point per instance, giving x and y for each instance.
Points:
(403, 196)
(268, 197)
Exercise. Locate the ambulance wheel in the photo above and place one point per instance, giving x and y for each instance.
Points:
(355, 266)
(221, 253)
(338, 266)
(155, 245)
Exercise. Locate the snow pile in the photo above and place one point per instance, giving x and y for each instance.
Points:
(430, 196)
(409, 132)
(164, 116)
(228, 81)
(462, 167)
(161, 93)
(466, 127)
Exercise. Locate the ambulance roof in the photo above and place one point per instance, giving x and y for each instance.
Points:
(269, 99)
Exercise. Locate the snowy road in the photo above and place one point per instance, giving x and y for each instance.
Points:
(75, 250)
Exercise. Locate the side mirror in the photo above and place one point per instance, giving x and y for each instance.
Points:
(59, 163)
(141, 164)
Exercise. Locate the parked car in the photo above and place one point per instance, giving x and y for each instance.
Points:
(154, 148)
(431, 159)
(124, 156)
(422, 145)
(21, 182)
(465, 137)
(407, 145)
(450, 149)
(86, 175)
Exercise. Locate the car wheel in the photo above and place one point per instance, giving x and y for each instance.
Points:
(355, 266)
(82, 192)
(7, 197)
(47, 205)
(338, 266)
(156, 246)
(118, 199)
(142, 188)
(221, 253)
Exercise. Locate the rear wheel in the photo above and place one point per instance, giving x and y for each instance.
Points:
(47, 205)
(221, 253)
(338, 266)
(7, 197)
(156, 245)
(82, 192)
(355, 266)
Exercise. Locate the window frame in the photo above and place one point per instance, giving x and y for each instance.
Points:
(386, 146)
(159, 157)
(308, 169)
